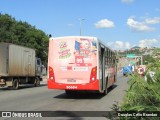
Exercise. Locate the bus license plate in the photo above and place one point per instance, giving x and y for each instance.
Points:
(71, 80)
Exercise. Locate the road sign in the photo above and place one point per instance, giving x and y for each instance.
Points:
(132, 62)
(140, 71)
(130, 56)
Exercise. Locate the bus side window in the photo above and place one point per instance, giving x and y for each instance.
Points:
(114, 59)
(108, 56)
(106, 59)
(111, 58)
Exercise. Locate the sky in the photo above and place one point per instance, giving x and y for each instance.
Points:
(120, 24)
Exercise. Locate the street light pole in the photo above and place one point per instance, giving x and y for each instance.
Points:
(81, 26)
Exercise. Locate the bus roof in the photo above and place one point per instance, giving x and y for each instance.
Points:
(89, 37)
(85, 37)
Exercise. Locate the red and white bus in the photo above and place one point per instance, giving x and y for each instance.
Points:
(80, 63)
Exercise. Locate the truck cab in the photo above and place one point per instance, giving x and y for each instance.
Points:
(39, 67)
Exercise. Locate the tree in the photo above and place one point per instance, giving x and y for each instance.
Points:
(22, 33)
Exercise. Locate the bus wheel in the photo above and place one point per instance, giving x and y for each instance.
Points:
(37, 82)
(15, 84)
(105, 92)
(114, 78)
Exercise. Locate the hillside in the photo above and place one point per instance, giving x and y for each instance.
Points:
(148, 55)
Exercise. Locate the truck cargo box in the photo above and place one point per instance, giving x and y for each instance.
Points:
(16, 60)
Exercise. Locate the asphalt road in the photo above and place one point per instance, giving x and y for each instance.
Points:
(29, 98)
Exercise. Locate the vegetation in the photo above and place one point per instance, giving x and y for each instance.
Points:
(124, 53)
(148, 59)
(144, 92)
(22, 33)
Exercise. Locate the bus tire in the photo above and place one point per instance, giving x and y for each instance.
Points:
(15, 84)
(114, 78)
(105, 92)
(37, 82)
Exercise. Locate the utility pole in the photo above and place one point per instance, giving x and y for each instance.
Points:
(81, 19)
(141, 60)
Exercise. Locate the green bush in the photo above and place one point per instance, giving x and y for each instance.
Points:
(144, 94)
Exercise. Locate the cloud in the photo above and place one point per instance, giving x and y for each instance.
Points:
(122, 45)
(147, 42)
(104, 23)
(127, 1)
(154, 20)
(119, 45)
(127, 45)
(157, 9)
(138, 26)
(70, 25)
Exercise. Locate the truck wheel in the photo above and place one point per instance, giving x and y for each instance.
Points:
(15, 84)
(37, 82)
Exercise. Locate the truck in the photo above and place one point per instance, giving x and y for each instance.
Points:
(127, 70)
(19, 65)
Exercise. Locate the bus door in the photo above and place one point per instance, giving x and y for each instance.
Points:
(102, 66)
